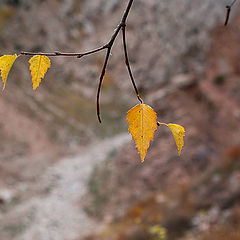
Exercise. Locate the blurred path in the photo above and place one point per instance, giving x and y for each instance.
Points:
(56, 214)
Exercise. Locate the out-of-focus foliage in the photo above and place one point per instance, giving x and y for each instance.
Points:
(158, 232)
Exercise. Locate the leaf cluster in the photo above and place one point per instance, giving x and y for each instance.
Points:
(39, 64)
(143, 123)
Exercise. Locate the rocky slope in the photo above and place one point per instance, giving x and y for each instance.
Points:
(196, 196)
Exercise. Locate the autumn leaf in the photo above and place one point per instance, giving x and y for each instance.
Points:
(39, 65)
(142, 124)
(178, 133)
(6, 63)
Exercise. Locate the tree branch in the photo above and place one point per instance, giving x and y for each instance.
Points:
(108, 46)
(56, 53)
(229, 8)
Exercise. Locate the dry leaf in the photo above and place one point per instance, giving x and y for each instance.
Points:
(142, 124)
(178, 133)
(6, 63)
(39, 65)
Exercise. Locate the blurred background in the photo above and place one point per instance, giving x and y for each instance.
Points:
(64, 176)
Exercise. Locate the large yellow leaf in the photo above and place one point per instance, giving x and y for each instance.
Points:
(39, 65)
(6, 63)
(178, 133)
(142, 124)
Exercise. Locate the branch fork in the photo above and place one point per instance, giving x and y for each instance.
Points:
(121, 26)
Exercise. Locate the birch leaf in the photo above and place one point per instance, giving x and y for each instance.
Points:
(178, 133)
(142, 124)
(39, 65)
(6, 63)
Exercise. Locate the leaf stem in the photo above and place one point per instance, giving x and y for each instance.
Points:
(160, 123)
(140, 100)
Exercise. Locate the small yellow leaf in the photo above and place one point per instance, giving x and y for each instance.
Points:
(6, 63)
(142, 124)
(178, 133)
(39, 65)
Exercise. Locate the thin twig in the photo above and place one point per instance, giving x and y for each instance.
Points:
(100, 82)
(127, 62)
(234, 1)
(229, 8)
(109, 46)
(56, 54)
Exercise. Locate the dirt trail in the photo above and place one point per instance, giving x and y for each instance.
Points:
(55, 213)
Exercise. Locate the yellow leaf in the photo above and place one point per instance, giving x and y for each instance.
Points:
(158, 231)
(39, 65)
(142, 124)
(178, 133)
(6, 63)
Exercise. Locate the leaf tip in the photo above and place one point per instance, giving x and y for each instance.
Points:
(179, 152)
(35, 86)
